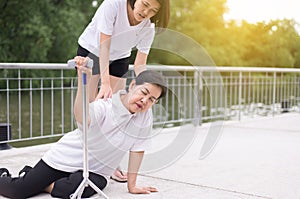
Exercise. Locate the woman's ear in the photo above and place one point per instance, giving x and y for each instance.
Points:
(131, 85)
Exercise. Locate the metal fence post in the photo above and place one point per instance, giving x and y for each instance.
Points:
(198, 86)
(240, 93)
(200, 97)
(62, 101)
(20, 103)
(274, 93)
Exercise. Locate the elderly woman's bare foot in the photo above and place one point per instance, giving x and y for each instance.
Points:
(119, 176)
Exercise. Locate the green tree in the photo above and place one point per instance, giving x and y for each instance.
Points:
(48, 30)
(285, 40)
(201, 20)
(23, 35)
(274, 43)
(41, 31)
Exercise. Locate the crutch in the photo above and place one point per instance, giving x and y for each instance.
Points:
(86, 181)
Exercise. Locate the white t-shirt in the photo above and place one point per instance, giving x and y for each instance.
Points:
(111, 19)
(113, 132)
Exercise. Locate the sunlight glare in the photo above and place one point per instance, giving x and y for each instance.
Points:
(262, 10)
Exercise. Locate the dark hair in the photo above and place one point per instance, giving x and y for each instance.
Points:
(161, 19)
(152, 77)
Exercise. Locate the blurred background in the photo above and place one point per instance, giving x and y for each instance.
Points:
(234, 33)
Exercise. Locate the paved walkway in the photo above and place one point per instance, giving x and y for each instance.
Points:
(254, 158)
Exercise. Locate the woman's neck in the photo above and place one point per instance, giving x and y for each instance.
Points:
(131, 19)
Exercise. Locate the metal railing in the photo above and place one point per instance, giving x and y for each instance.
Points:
(41, 106)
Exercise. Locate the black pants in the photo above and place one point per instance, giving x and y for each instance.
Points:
(41, 176)
(117, 68)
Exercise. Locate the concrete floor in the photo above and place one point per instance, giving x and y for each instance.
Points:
(254, 158)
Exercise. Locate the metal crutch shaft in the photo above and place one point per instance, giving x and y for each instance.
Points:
(86, 181)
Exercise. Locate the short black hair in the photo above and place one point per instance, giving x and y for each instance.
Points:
(152, 77)
(162, 17)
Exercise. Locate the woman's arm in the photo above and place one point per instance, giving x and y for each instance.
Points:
(105, 90)
(81, 68)
(135, 160)
(140, 62)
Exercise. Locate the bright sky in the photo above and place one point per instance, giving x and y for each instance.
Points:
(263, 10)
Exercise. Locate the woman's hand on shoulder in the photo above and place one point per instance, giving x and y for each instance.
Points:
(105, 92)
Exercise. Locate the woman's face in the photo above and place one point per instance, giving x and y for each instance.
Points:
(145, 9)
(141, 97)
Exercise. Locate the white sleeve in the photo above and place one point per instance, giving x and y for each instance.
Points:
(146, 40)
(105, 16)
(143, 142)
(97, 113)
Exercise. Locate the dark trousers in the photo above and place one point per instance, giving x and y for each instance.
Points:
(118, 68)
(41, 176)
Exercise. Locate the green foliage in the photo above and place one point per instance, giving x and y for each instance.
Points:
(48, 30)
(274, 43)
(41, 31)
(23, 32)
(269, 44)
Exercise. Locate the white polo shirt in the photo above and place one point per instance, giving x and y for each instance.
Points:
(113, 132)
(111, 19)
